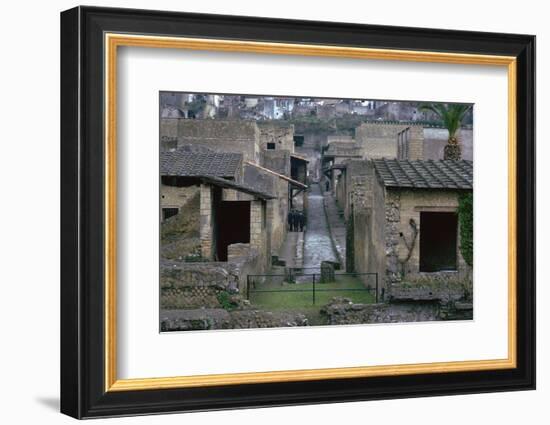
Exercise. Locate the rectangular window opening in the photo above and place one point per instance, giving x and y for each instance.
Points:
(169, 212)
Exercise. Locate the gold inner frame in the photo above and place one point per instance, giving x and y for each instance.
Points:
(113, 41)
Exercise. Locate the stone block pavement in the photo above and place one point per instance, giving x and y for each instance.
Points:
(336, 226)
(292, 250)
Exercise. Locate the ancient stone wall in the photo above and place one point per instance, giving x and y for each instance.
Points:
(176, 197)
(246, 260)
(340, 138)
(402, 206)
(368, 215)
(168, 143)
(180, 234)
(278, 161)
(346, 313)
(195, 285)
(379, 140)
(237, 250)
(169, 128)
(354, 168)
(314, 140)
(280, 133)
(196, 320)
(189, 285)
(277, 209)
(340, 188)
(259, 179)
(341, 311)
(230, 136)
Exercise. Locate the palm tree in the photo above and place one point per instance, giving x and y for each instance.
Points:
(452, 116)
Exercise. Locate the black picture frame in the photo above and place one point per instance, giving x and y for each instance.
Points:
(83, 392)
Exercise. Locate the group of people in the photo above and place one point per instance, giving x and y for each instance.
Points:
(296, 221)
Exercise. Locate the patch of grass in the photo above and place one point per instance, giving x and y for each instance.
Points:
(299, 296)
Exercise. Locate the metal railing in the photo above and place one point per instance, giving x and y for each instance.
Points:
(294, 282)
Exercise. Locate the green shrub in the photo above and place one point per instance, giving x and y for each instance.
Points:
(226, 301)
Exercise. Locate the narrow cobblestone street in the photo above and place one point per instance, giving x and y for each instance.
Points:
(318, 245)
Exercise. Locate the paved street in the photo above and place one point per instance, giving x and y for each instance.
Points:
(318, 244)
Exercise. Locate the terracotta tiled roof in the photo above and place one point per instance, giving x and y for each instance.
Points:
(185, 163)
(440, 174)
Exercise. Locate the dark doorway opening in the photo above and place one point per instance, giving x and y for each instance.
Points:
(169, 212)
(438, 232)
(233, 225)
(298, 140)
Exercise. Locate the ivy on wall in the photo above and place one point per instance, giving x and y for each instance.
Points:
(466, 221)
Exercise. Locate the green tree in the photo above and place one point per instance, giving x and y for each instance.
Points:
(452, 116)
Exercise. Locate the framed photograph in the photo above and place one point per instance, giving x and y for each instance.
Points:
(261, 212)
